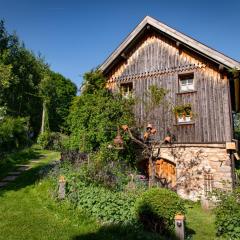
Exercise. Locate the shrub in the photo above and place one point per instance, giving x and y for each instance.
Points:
(43, 139)
(157, 208)
(13, 133)
(102, 168)
(104, 204)
(96, 114)
(228, 214)
(51, 140)
(74, 157)
(107, 205)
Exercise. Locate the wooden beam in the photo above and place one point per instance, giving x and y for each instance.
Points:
(221, 67)
(148, 27)
(237, 93)
(124, 56)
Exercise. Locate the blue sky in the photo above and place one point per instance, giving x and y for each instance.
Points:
(76, 36)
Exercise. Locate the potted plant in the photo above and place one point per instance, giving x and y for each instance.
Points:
(178, 110)
(188, 111)
(183, 113)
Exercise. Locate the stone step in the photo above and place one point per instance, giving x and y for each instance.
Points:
(14, 173)
(3, 184)
(22, 168)
(35, 160)
(9, 178)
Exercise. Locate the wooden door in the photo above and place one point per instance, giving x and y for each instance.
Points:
(165, 172)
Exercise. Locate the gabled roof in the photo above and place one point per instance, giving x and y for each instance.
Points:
(174, 34)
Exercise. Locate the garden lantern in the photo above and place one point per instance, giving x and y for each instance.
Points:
(125, 128)
(153, 131)
(149, 126)
(118, 141)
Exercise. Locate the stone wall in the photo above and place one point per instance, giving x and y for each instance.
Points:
(200, 168)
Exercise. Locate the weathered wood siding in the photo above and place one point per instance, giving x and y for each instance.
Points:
(157, 60)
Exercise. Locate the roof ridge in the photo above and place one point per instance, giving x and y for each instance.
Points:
(186, 40)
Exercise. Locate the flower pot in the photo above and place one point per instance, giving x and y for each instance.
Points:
(181, 119)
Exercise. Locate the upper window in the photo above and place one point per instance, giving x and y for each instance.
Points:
(186, 83)
(126, 89)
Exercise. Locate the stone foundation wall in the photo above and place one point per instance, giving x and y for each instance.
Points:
(200, 168)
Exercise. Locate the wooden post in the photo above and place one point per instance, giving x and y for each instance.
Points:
(179, 226)
(61, 189)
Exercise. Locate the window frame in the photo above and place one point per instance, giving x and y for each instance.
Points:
(186, 77)
(129, 92)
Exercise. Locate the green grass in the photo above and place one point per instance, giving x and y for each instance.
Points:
(29, 212)
(200, 222)
(10, 161)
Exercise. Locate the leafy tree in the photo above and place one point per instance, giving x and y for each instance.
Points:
(28, 88)
(93, 82)
(61, 98)
(96, 114)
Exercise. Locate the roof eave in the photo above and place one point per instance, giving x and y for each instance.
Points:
(182, 38)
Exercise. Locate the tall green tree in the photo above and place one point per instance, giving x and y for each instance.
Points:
(28, 88)
(61, 97)
(96, 114)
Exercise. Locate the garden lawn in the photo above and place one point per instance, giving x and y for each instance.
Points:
(200, 223)
(10, 161)
(29, 212)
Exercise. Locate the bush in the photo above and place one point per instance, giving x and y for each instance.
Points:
(104, 204)
(95, 115)
(51, 140)
(75, 157)
(103, 168)
(157, 208)
(228, 214)
(13, 133)
(107, 205)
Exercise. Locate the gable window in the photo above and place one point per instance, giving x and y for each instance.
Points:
(186, 83)
(126, 89)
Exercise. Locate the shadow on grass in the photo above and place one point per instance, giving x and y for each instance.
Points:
(10, 161)
(189, 233)
(126, 232)
(119, 232)
(29, 177)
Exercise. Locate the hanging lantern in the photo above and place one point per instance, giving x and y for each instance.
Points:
(167, 139)
(146, 135)
(149, 126)
(125, 128)
(118, 141)
(153, 131)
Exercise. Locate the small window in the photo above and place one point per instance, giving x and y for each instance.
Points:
(126, 89)
(186, 83)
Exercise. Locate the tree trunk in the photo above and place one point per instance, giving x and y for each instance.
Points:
(45, 123)
(43, 117)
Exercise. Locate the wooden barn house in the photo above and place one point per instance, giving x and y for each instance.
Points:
(198, 81)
